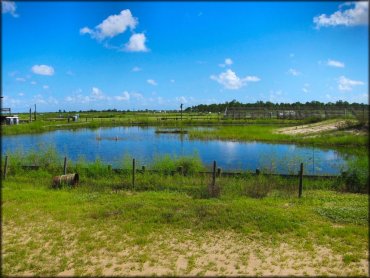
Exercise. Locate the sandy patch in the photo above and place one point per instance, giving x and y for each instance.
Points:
(313, 128)
(176, 253)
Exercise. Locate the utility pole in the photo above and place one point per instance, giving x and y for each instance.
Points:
(35, 111)
(181, 110)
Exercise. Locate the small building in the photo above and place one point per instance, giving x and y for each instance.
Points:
(12, 120)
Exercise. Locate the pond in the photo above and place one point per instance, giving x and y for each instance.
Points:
(110, 145)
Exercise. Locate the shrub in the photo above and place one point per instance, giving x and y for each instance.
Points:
(258, 187)
(356, 178)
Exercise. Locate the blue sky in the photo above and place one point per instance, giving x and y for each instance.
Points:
(156, 55)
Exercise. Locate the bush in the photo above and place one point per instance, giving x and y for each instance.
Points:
(356, 178)
(258, 187)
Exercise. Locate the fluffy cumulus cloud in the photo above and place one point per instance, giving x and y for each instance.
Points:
(115, 25)
(9, 7)
(123, 97)
(43, 70)
(97, 94)
(294, 72)
(346, 84)
(112, 26)
(152, 82)
(336, 64)
(231, 81)
(349, 14)
(136, 43)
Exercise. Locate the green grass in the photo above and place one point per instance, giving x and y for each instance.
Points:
(266, 133)
(54, 219)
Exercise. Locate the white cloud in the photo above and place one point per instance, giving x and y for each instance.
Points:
(306, 88)
(228, 62)
(294, 72)
(136, 43)
(231, 81)
(97, 94)
(346, 84)
(136, 69)
(137, 96)
(336, 64)
(43, 70)
(123, 97)
(86, 30)
(275, 96)
(39, 99)
(33, 82)
(45, 87)
(9, 7)
(356, 13)
(112, 26)
(21, 94)
(182, 99)
(152, 82)
(252, 79)
(20, 79)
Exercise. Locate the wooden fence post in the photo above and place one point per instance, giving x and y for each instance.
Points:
(133, 173)
(213, 184)
(5, 166)
(300, 181)
(219, 172)
(65, 166)
(143, 168)
(257, 171)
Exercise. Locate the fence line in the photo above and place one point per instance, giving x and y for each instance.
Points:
(220, 172)
(213, 189)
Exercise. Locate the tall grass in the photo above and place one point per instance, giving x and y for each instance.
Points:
(356, 178)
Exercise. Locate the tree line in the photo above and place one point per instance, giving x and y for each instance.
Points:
(220, 107)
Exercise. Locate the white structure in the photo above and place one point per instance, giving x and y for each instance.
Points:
(12, 120)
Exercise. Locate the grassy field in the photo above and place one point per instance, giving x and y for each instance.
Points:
(168, 228)
(171, 225)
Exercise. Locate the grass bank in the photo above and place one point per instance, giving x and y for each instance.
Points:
(267, 133)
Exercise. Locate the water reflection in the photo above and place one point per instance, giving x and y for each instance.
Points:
(144, 144)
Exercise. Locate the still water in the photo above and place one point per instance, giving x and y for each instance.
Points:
(110, 145)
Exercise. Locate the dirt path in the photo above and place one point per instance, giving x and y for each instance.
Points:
(314, 128)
